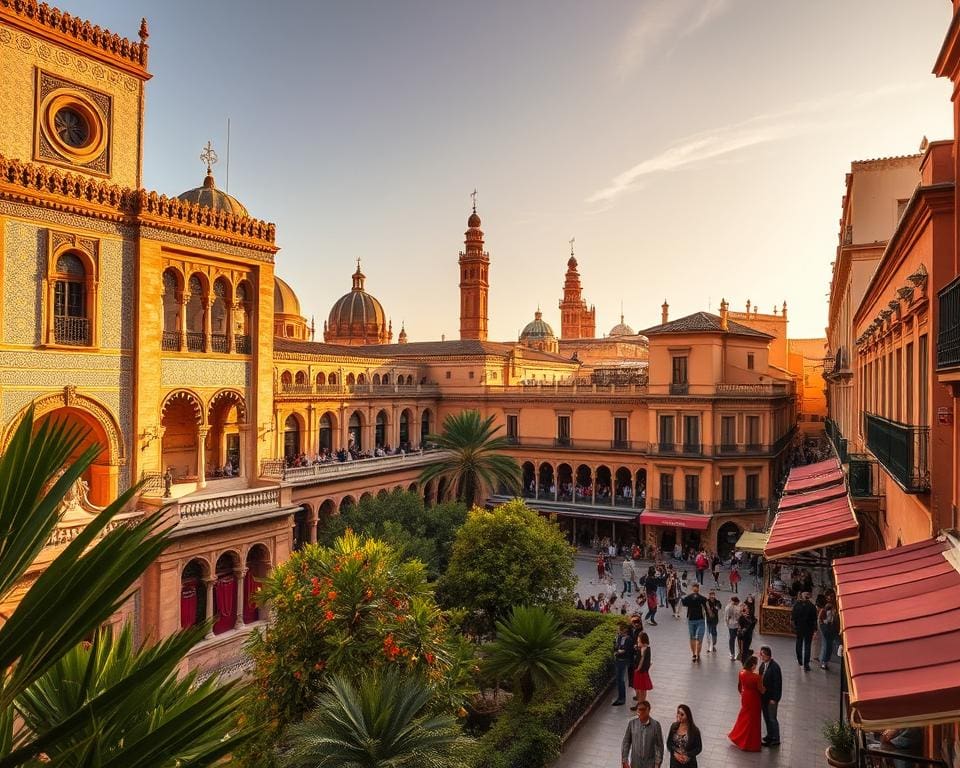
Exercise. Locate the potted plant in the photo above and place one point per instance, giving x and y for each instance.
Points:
(839, 736)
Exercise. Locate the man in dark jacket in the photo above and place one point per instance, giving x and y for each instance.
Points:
(770, 699)
(623, 660)
(804, 617)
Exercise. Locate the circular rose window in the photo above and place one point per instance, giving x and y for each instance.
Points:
(71, 127)
(74, 126)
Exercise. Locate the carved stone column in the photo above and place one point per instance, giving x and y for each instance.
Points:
(239, 574)
(207, 321)
(183, 299)
(208, 613)
(202, 456)
(312, 519)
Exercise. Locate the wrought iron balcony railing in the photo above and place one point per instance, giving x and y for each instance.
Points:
(242, 344)
(71, 330)
(863, 476)
(170, 341)
(196, 341)
(679, 388)
(901, 449)
(948, 337)
(219, 343)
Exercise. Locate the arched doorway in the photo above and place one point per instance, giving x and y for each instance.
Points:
(346, 502)
(603, 493)
(425, 426)
(225, 593)
(727, 536)
(181, 417)
(172, 291)
(584, 483)
(327, 425)
(380, 440)
(258, 565)
(100, 477)
(548, 488)
(220, 315)
(355, 431)
(405, 428)
(529, 482)
(193, 594)
(291, 437)
(226, 416)
(301, 529)
(565, 482)
(623, 487)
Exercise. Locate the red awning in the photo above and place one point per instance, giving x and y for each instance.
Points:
(812, 527)
(695, 522)
(812, 497)
(901, 633)
(808, 483)
(811, 470)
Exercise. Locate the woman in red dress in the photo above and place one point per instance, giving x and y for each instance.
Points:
(746, 731)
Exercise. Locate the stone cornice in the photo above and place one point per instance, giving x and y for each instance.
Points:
(79, 35)
(38, 184)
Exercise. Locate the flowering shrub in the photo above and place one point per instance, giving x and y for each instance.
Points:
(348, 608)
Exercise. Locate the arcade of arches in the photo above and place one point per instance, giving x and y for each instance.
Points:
(225, 594)
(360, 430)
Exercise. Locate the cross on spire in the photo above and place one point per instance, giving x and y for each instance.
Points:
(473, 196)
(209, 157)
(572, 240)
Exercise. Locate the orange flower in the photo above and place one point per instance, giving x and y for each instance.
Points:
(330, 615)
(331, 595)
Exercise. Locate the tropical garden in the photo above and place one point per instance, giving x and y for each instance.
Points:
(407, 636)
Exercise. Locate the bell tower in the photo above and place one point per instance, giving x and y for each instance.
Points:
(474, 280)
(576, 321)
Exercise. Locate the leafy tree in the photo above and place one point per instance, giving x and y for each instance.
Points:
(80, 589)
(472, 460)
(402, 520)
(385, 722)
(506, 557)
(349, 608)
(531, 649)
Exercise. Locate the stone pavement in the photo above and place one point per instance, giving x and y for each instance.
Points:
(710, 689)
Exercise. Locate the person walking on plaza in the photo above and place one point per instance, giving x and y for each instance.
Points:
(661, 573)
(745, 627)
(734, 577)
(636, 627)
(827, 624)
(696, 605)
(673, 593)
(629, 574)
(804, 617)
(623, 660)
(601, 567)
(745, 733)
(731, 617)
(713, 610)
(770, 698)
(683, 740)
(650, 587)
(701, 563)
(715, 567)
(641, 676)
(643, 741)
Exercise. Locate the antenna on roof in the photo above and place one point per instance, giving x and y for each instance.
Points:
(227, 189)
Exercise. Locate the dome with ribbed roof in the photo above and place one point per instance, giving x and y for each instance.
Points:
(208, 195)
(357, 317)
(539, 335)
(285, 301)
(622, 329)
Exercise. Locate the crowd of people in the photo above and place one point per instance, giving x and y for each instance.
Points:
(351, 453)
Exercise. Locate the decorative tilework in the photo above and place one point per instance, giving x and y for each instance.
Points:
(194, 242)
(204, 373)
(24, 253)
(64, 219)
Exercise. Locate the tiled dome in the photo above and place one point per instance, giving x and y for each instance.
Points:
(208, 195)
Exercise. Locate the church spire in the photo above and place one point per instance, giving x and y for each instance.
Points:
(474, 279)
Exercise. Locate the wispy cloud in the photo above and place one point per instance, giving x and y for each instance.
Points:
(660, 22)
(803, 118)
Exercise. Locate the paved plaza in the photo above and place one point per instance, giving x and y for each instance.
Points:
(710, 689)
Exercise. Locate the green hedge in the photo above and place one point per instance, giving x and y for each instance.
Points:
(530, 737)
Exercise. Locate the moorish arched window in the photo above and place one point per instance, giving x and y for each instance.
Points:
(71, 323)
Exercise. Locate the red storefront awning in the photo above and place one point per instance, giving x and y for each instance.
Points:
(694, 522)
(812, 497)
(812, 527)
(817, 468)
(808, 483)
(901, 633)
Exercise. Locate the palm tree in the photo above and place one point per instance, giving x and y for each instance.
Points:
(80, 589)
(531, 649)
(471, 460)
(385, 722)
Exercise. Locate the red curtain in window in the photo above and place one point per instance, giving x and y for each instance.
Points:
(225, 591)
(250, 587)
(188, 603)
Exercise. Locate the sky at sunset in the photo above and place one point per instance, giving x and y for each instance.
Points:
(696, 149)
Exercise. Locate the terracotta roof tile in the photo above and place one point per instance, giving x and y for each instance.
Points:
(703, 322)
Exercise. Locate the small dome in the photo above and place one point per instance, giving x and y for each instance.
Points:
(357, 317)
(474, 221)
(208, 195)
(622, 329)
(285, 301)
(572, 262)
(538, 329)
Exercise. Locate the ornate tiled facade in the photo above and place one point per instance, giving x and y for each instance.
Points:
(204, 373)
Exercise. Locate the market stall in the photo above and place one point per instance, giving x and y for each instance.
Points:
(814, 513)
